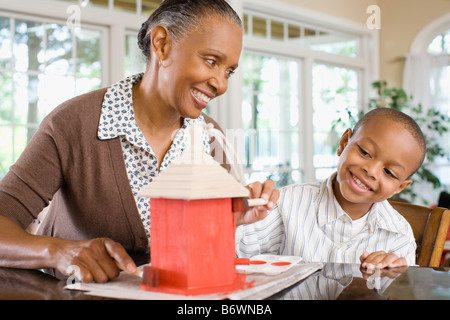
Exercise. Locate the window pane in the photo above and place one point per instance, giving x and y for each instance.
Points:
(125, 5)
(5, 43)
(335, 95)
(5, 98)
(6, 147)
(99, 3)
(436, 45)
(134, 58)
(440, 44)
(83, 85)
(88, 54)
(28, 46)
(294, 33)
(259, 27)
(270, 114)
(50, 64)
(277, 30)
(336, 44)
(21, 98)
(59, 51)
(148, 6)
(21, 137)
(48, 98)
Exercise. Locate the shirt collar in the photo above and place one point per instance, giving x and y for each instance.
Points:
(381, 214)
(328, 208)
(117, 115)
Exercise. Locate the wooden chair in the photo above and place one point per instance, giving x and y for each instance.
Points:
(430, 227)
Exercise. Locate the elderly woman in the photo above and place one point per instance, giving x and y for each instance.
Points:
(94, 153)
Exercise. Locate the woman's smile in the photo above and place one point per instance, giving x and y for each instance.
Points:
(200, 98)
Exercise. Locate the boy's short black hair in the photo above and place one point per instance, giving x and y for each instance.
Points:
(409, 123)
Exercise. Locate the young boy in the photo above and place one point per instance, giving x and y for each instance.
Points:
(346, 218)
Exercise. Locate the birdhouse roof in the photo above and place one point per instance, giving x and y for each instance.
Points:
(194, 175)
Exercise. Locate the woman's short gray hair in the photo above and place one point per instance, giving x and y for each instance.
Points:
(179, 16)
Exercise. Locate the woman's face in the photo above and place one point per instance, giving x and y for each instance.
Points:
(198, 66)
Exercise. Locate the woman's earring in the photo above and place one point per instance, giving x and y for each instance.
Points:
(160, 63)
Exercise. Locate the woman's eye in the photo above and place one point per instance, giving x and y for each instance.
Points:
(230, 73)
(212, 62)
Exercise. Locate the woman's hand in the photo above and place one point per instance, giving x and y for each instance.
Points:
(265, 191)
(96, 260)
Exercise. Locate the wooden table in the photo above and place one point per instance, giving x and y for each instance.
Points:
(334, 281)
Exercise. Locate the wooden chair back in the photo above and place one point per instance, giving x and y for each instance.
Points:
(430, 227)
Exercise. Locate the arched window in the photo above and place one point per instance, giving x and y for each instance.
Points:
(427, 79)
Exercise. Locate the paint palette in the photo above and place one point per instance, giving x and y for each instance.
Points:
(266, 264)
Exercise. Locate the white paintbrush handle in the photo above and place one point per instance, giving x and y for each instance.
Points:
(256, 202)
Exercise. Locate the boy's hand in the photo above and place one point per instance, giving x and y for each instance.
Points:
(265, 191)
(381, 260)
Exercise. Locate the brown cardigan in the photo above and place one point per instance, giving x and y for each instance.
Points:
(84, 176)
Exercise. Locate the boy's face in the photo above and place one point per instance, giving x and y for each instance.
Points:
(374, 163)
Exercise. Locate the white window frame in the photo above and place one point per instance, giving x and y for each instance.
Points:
(44, 19)
(427, 34)
(419, 46)
(29, 16)
(117, 23)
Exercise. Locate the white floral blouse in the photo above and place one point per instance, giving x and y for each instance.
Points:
(117, 120)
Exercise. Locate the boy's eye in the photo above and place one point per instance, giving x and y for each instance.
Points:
(389, 173)
(363, 152)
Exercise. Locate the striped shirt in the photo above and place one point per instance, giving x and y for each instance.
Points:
(309, 222)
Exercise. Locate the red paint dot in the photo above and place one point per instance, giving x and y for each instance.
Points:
(281, 263)
(240, 261)
(257, 262)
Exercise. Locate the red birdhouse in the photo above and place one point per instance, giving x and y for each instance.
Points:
(192, 247)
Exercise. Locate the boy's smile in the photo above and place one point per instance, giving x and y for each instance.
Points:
(375, 164)
(359, 185)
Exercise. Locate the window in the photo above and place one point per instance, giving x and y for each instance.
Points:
(271, 118)
(302, 35)
(335, 95)
(292, 64)
(42, 63)
(299, 80)
(439, 84)
(134, 59)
